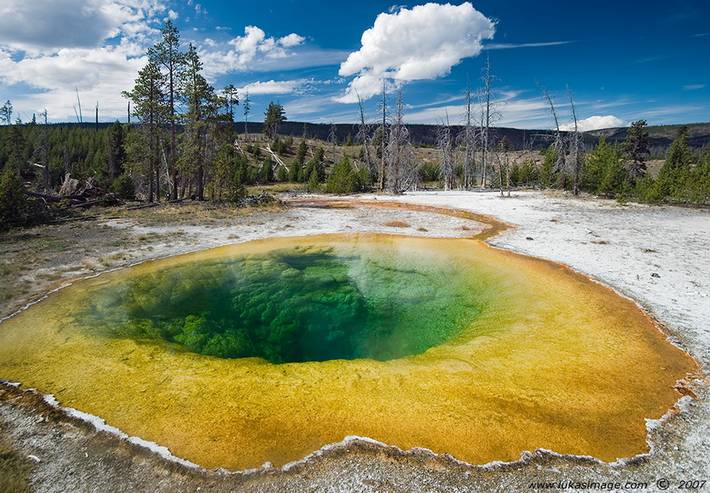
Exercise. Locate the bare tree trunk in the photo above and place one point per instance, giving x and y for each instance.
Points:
(487, 83)
(574, 148)
(558, 145)
(383, 135)
(444, 144)
(500, 174)
(333, 141)
(154, 160)
(362, 135)
(469, 145)
(402, 170)
(173, 131)
(151, 184)
(247, 109)
(45, 153)
(507, 177)
(200, 185)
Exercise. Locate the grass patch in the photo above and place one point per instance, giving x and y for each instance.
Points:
(190, 213)
(276, 188)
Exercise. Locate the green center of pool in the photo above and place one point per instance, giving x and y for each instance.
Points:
(295, 305)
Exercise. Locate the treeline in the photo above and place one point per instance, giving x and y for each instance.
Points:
(621, 171)
(184, 143)
(187, 143)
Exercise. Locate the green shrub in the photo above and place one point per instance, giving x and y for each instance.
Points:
(267, 172)
(294, 173)
(237, 191)
(429, 172)
(343, 178)
(282, 174)
(604, 172)
(548, 175)
(313, 182)
(646, 190)
(525, 174)
(123, 187)
(13, 203)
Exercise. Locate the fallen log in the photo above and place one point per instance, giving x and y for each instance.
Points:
(105, 200)
(45, 196)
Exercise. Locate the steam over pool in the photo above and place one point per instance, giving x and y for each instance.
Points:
(292, 305)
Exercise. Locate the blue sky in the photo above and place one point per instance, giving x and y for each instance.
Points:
(622, 60)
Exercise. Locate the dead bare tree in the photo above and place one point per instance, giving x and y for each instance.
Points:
(41, 152)
(402, 172)
(502, 159)
(468, 142)
(79, 115)
(558, 144)
(486, 107)
(333, 141)
(446, 150)
(363, 135)
(575, 141)
(277, 159)
(383, 134)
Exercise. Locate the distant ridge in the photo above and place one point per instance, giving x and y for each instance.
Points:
(660, 136)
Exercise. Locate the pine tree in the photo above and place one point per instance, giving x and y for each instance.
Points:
(313, 181)
(13, 203)
(18, 147)
(149, 105)
(273, 117)
(343, 179)
(301, 154)
(674, 174)
(604, 173)
(116, 151)
(231, 100)
(201, 103)
(636, 148)
(246, 108)
(282, 174)
(548, 174)
(679, 155)
(267, 171)
(167, 56)
(6, 113)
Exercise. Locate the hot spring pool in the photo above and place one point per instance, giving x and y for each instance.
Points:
(269, 350)
(306, 303)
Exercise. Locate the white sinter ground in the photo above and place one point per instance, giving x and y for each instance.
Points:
(657, 255)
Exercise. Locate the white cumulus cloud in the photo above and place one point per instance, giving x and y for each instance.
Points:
(424, 42)
(63, 46)
(273, 86)
(49, 25)
(292, 39)
(596, 122)
(242, 51)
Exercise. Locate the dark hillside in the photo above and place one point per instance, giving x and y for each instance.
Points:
(661, 136)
